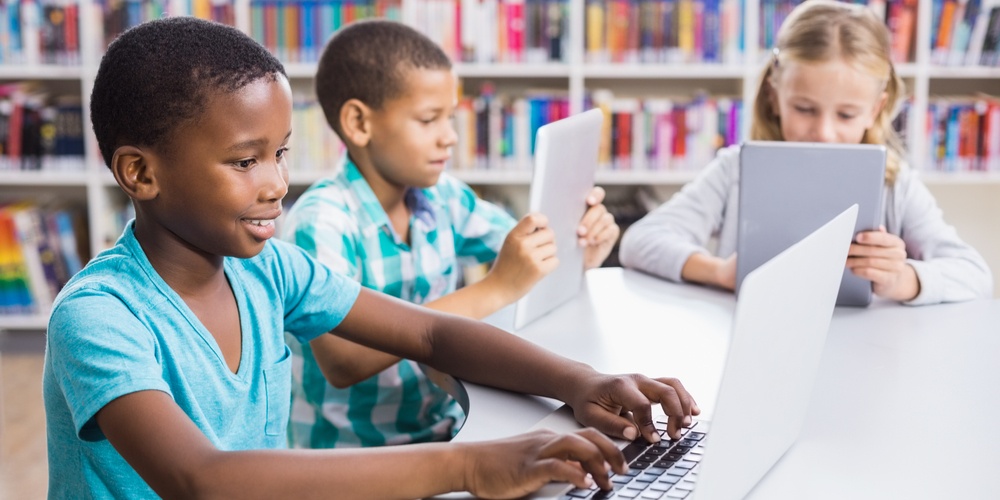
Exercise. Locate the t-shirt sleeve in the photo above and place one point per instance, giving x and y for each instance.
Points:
(480, 227)
(100, 351)
(316, 298)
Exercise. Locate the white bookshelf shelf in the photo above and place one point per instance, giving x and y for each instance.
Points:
(493, 177)
(43, 178)
(640, 177)
(964, 72)
(604, 177)
(465, 70)
(41, 72)
(513, 70)
(935, 178)
(664, 71)
(906, 70)
(23, 322)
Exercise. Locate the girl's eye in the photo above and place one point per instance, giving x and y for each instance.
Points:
(244, 164)
(844, 116)
(281, 153)
(804, 110)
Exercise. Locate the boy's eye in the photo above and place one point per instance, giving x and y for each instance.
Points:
(244, 164)
(281, 153)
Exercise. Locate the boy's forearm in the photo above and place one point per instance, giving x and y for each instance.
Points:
(345, 363)
(475, 301)
(483, 354)
(467, 349)
(416, 471)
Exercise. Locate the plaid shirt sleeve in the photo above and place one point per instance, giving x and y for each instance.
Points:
(480, 226)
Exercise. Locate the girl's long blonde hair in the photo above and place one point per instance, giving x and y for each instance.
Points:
(825, 30)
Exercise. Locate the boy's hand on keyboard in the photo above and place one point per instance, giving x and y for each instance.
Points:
(620, 405)
(516, 466)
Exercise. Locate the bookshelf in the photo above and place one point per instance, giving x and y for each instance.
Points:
(93, 190)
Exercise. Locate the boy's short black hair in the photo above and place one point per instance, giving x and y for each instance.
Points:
(367, 61)
(160, 74)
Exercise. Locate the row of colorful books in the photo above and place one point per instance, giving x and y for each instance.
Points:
(497, 132)
(39, 252)
(664, 31)
(295, 30)
(468, 30)
(964, 135)
(899, 15)
(965, 32)
(40, 32)
(314, 146)
(38, 131)
(120, 15)
(666, 134)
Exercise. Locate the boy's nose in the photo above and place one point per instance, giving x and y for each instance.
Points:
(450, 137)
(275, 185)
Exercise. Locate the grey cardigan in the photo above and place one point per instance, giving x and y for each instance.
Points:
(660, 243)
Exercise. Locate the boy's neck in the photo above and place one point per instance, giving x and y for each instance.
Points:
(391, 196)
(186, 270)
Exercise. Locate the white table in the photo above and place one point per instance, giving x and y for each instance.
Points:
(906, 405)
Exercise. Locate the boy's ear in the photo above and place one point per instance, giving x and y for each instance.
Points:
(355, 122)
(131, 168)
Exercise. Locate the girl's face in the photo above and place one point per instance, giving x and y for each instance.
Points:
(829, 101)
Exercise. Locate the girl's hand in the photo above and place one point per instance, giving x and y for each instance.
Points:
(880, 257)
(598, 232)
(725, 274)
(514, 467)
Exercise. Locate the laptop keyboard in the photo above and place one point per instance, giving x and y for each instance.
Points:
(667, 469)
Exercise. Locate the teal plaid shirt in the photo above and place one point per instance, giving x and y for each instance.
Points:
(340, 222)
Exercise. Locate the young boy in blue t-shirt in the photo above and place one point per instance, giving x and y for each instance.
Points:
(166, 372)
(392, 220)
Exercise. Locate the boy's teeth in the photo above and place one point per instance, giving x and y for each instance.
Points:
(259, 222)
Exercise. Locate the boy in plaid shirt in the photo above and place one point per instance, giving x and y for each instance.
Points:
(392, 220)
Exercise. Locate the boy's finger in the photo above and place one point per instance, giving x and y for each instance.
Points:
(530, 223)
(612, 455)
(583, 448)
(557, 470)
(590, 219)
(542, 236)
(676, 403)
(596, 196)
(608, 231)
(630, 399)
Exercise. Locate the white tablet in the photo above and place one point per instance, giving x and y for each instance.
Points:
(789, 189)
(565, 165)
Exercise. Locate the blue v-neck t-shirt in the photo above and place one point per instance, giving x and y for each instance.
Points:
(117, 328)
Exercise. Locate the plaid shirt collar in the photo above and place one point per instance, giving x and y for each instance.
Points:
(415, 199)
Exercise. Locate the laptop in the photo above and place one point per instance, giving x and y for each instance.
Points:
(788, 189)
(565, 165)
(778, 333)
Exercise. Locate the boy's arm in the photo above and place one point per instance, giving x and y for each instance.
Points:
(482, 354)
(175, 458)
(527, 255)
